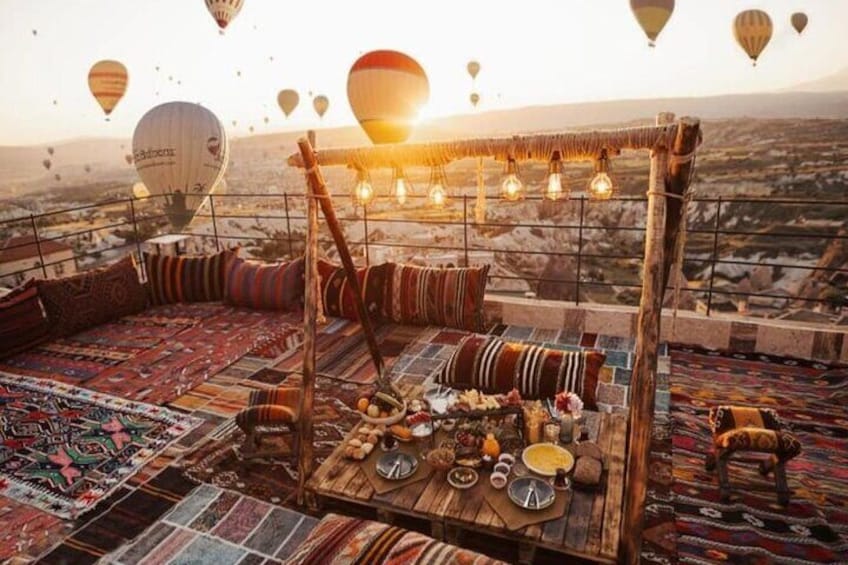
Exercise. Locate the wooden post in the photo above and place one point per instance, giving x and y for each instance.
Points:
(480, 203)
(643, 385)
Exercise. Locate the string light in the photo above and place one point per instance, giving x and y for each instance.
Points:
(602, 186)
(401, 187)
(438, 193)
(512, 188)
(554, 189)
(363, 192)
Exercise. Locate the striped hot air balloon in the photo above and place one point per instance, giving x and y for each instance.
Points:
(386, 90)
(652, 15)
(224, 11)
(799, 21)
(753, 29)
(180, 151)
(107, 81)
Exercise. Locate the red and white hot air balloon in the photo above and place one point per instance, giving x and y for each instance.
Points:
(224, 11)
(386, 90)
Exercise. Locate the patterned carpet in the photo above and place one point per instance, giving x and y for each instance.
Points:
(64, 448)
(212, 525)
(752, 527)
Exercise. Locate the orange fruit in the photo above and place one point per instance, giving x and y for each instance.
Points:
(362, 404)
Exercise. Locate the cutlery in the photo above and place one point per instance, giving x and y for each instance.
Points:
(531, 490)
(395, 470)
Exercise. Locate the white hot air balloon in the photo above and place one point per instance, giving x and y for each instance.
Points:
(181, 151)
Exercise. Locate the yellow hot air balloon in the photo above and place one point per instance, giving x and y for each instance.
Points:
(799, 21)
(652, 15)
(386, 90)
(753, 29)
(473, 68)
(475, 98)
(140, 191)
(107, 81)
(321, 103)
(224, 11)
(288, 99)
(180, 151)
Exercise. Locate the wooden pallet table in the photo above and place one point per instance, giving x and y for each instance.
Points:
(589, 528)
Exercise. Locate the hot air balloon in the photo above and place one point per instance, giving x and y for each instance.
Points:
(140, 191)
(47, 164)
(799, 21)
(107, 81)
(55, 102)
(752, 29)
(475, 98)
(57, 176)
(224, 11)
(181, 151)
(87, 168)
(238, 73)
(50, 151)
(235, 123)
(473, 68)
(287, 99)
(321, 103)
(652, 15)
(250, 129)
(386, 89)
(128, 158)
(34, 32)
(266, 119)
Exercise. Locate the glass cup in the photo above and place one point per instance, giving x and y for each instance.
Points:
(551, 432)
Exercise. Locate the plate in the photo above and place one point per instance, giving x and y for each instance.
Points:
(462, 478)
(542, 495)
(440, 399)
(396, 466)
(546, 458)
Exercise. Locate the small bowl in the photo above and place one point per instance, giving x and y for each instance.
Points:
(440, 459)
(448, 425)
(462, 478)
(503, 468)
(507, 458)
(498, 480)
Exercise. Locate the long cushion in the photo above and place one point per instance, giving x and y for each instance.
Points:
(450, 297)
(337, 294)
(88, 299)
(492, 365)
(23, 322)
(338, 540)
(258, 285)
(186, 279)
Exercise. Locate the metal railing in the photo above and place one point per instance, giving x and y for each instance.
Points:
(709, 227)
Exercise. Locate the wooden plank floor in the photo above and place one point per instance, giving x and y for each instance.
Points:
(589, 528)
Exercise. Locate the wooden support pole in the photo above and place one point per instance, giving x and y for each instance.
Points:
(643, 385)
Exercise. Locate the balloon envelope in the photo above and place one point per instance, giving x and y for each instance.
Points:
(50, 151)
(288, 99)
(46, 164)
(753, 29)
(224, 11)
(473, 68)
(799, 21)
(386, 90)
(107, 81)
(129, 158)
(181, 151)
(652, 15)
(321, 103)
(475, 98)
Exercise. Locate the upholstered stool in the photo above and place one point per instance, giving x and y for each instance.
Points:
(745, 429)
(271, 411)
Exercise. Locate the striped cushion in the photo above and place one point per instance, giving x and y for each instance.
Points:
(492, 365)
(338, 540)
(23, 322)
(725, 418)
(443, 297)
(338, 296)
(261, 286)
(186, 279)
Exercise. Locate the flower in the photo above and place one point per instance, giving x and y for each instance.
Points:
(567, 401)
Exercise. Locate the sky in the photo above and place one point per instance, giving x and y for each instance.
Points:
(532, 52)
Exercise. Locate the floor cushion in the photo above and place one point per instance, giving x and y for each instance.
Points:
(338, 540)
(264, 286)
(23, 321)
(337, 294)
(88, 299)
(451, 297)
(186, 279)
(492, 365)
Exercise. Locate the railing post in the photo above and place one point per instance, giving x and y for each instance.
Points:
(214, 223)
(715, 255)
(365, 226)
(137, 241)
(38, 245)
(465, 225)
(579, 249)
(288, 224)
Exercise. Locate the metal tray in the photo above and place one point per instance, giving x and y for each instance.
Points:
(396, 466)
(543, 493)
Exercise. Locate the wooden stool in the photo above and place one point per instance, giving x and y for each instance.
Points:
(744, 429)
(269, 412)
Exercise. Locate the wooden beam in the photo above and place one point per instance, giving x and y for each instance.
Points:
(582, 146)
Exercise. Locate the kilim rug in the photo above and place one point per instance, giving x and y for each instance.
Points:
(752, 527)
(275, 480)
(212, 525)
(64, 448)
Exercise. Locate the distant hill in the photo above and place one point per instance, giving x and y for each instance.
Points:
(21, 167)
(837, 82)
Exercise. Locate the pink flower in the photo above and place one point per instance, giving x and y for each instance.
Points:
(567, 401)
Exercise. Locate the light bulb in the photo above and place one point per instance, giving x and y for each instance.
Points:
(438, 195)
(400, 191)
(554, 191)
(364, 192)
(601, 186)
(512, 188)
